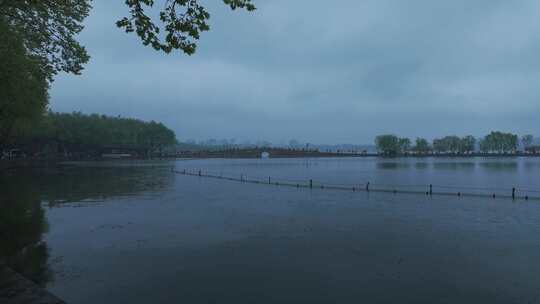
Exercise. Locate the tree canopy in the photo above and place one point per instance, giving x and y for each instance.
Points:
(49, 28)
(38, 40)
(23, 85)
(421, 145)
(388, 144)
(183, 21)
(496, 141)
(499, 142)
(454, 144)
(103, 131)
(404, 144)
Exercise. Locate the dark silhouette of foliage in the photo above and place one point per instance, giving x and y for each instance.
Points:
(23, 85)
(183, 20)
(103, 131)
(48, 30)
(447, 144)
(22, 224)
(404, 145)
(388, 144)
(38, 40)
(499, 142)
(467, 144)
(454, 144)
(421, 145)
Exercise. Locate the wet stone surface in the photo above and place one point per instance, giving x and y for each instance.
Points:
(15, 289)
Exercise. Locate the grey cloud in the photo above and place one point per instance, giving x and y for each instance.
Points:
(343, 71)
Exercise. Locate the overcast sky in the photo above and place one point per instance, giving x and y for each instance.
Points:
(323, 71)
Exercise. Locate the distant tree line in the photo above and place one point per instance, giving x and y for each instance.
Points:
(82, 132)
(494, 142)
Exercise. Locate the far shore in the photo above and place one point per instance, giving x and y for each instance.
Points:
(292, 153)
(11, 164)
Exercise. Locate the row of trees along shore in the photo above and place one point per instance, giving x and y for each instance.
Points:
(89, 134)
(494, 142)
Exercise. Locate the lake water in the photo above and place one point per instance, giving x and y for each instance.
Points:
(139, 233)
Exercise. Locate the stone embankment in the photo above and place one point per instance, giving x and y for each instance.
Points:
(16, 289)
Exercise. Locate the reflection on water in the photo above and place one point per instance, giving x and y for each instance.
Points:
(26, 194)
(393, 165)
(99, 183)
(421, 165)
(500, 165)
(454, 165)
(145, 235)
(22, 225)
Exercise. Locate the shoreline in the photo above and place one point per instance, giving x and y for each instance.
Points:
(15, 288)
(352, 155)
(30, 163)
